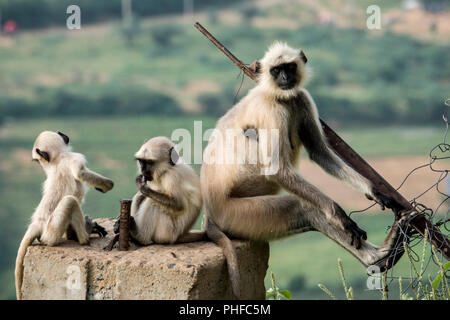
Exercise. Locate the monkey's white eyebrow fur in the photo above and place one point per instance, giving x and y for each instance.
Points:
(279, 51)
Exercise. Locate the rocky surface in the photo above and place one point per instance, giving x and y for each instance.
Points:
(181, 271)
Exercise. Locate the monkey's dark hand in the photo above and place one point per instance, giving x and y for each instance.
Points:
(384, 201)
(94, 227)
(357, 234)
(108, 185)
(141, 181)
(98, 229)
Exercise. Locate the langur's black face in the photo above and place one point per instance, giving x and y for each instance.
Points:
(285, 75)
(147, 168)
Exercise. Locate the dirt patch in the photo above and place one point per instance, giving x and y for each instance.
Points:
(47, 80)
(230, 17)
(393, 169)
(419, 23)
(6, 42)
(21, 158)
(197, 87)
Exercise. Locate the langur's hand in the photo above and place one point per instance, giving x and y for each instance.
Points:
(383, 200)
(98, 229)
(108, 185)
(140, 181)
(94, 227)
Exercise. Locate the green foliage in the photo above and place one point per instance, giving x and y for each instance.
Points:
(42, 13)
(163, 34)
(437, 289)
(274, 293)
(217, 104)
(119, 137)
(328, 292)
(79, 99)
(348, 290)
(357, 78)
(438, 280)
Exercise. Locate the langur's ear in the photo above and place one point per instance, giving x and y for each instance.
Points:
(43, 154)
(303, 57)
(173, 156)
(255, 67)
(65, 138)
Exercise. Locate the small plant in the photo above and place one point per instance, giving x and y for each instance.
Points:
(274, 293)
(435, 289)
(348, 290)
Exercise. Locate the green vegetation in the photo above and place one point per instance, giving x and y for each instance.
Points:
(304, 261)
(59, 73)
(109, 145)
(435, 289)
(110, 85)
(274, 293)
(42, 13)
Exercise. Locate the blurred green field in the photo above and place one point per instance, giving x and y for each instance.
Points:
(299, 263)
(110, 86)
(169, 68)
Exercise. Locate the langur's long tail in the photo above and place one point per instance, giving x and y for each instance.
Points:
(24, 244)
(219, 238)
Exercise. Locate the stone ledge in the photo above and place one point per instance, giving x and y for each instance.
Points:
(182, 271)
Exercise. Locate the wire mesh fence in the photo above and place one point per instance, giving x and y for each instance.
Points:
(438, 164)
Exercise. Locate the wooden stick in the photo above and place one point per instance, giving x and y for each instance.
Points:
(353, 159)
(222, 48)
(124, 229)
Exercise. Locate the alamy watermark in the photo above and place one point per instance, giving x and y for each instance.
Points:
(73, 281)
(373, 21)
(374, 279)
(230, 146)
(73, 22)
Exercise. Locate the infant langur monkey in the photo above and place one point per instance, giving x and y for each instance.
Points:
(59, 211)
(169, 199)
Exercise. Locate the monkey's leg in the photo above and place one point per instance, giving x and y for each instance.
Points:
(260, 218)
(272, 217)
(253, 218)
(68, 212)
(368, 254)
(192, 236)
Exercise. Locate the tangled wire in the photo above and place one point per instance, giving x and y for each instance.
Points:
(439, 217)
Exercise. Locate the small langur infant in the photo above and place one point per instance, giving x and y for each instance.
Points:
(169, 199)
(59, 211)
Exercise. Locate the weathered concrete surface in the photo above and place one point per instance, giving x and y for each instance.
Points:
(182, 271)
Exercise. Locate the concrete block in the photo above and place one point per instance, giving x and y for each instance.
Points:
(182, 271)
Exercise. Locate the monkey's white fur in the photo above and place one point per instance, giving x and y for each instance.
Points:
(280, 52)
(156, 222)
(63, 195)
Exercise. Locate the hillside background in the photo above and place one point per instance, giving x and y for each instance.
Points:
(117, 82)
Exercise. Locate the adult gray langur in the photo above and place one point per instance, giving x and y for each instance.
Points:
(243, 202)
